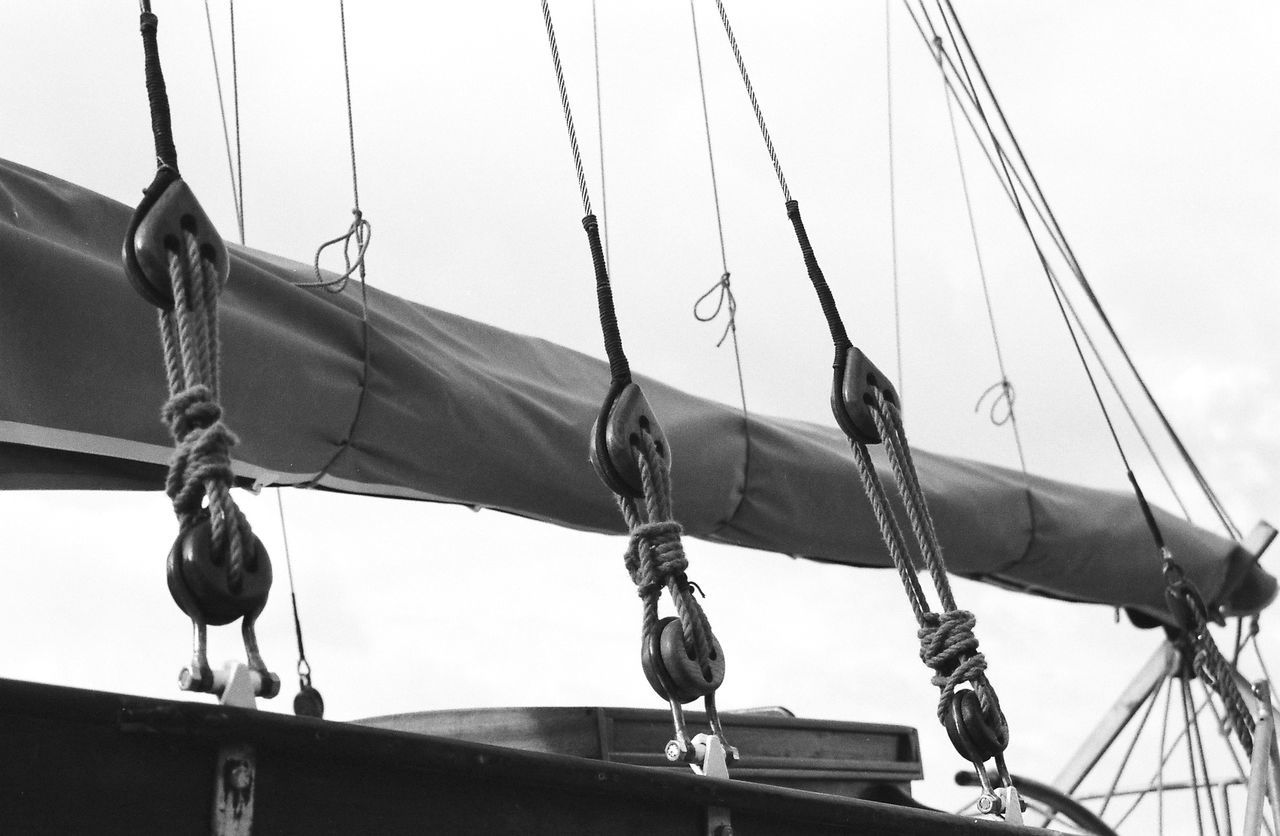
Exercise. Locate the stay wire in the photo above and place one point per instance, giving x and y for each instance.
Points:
(568, 114)
(226, 137)
(1210, 495)
(1018, 182)
(619, 367)
(726, 296)
(235, 106)
(1006, 388)
(1145, 507)
(839, 336)
(893, 198)
(604, 189)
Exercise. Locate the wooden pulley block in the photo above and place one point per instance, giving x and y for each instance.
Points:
(199, 582)
(672, 672)
(968, 729)
(168, 209)
(852, 395)
(615, 438)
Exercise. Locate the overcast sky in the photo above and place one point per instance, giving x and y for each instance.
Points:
(1152, 127)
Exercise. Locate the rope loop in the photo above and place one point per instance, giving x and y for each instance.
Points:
(360, 231)
(724, 300)
(201, 454)
(1004, 396)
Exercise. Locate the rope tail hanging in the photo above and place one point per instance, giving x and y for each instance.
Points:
(866, 406)
(218, 570)
(680, 656)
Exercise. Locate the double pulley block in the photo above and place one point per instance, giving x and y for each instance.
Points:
(855, 382)
(168, 213)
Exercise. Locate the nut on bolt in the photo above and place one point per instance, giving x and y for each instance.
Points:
(989, 805)
(674, 751)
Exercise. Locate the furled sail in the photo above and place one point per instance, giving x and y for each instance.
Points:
(452, 410)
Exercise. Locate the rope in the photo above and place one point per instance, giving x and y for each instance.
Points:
(947, 641)
(655, 556)
(200, 467)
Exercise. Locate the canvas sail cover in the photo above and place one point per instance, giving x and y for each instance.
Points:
(453, 410)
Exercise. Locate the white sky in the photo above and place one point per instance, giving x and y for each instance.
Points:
(1153, 128)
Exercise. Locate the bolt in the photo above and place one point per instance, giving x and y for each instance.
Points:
(989, 805)
(674, 751)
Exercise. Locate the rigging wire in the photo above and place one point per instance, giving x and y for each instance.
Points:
(1210, 495)
(1019, 182)
(893, 196)
(1004, 385)
(1147, 513)
(604, 192)
(222, 109)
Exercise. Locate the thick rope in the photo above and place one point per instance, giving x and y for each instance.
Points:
(200, 468)
(655, 554)
(947, 641)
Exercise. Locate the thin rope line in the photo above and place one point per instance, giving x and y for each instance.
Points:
(226, 136)
(568, 114)
(604, 193)
(235, 106)
(1124, 761)
(893, 197)
(755, 105)
(351, 123)
(726, 289)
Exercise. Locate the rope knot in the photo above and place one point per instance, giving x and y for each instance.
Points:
(191, 409)
(948, 645)
(201, 456)
(654, 555)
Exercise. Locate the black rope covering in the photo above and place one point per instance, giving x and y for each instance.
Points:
(157, 97)
(834, 323)
(619, 368)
